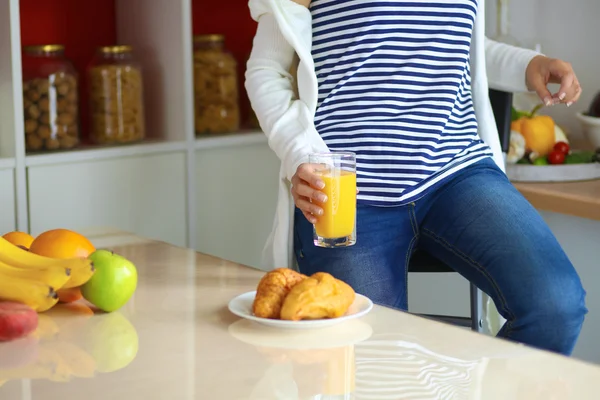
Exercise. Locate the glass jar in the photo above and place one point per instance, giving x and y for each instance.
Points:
(215, 86)
(50, 99)
(116, 96)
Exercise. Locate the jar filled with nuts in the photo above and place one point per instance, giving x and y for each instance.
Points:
(50, 99)
(215, 86)
(116, 96)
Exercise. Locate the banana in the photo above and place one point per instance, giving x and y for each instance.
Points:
(55, 275)
(49, 365)
(17, 257)
(79, 275)
(47, 304)
(47, 328)
(79, 362)
(33, 293)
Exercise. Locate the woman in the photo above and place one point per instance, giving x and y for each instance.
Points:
(404, 84)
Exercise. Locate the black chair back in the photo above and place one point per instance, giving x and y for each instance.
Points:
(502, 107)
(422, 261)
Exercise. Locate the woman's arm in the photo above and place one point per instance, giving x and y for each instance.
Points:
(270, 87)
(506, 66)
(514, 69)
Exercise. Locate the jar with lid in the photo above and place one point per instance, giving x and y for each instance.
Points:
(215, 86)
(116, 96)
(50, 99)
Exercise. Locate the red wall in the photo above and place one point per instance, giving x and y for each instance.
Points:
(83, 25)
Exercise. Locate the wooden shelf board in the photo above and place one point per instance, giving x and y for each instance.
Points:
(104, 153)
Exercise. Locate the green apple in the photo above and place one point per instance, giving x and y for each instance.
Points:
(111, 340)
(113, 283)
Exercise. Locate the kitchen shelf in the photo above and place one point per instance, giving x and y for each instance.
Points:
(95, 153)
(173, 186)
(230, 139)
(7, 163)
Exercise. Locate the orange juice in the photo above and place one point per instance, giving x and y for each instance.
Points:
(339, 211)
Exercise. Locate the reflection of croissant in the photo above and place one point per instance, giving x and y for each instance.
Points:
(272, 290)
(320, 296)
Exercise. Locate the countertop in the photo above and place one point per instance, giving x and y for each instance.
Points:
(580, 199)
(176, 339)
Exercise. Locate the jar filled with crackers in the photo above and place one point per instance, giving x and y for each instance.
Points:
(116, 96)
(50, 99)
(215, 87)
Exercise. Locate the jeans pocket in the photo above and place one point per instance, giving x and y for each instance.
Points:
(297, 240)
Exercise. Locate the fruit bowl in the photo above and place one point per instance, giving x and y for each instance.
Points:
(591, 128)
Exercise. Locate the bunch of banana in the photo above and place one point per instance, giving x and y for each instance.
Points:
(32, 279)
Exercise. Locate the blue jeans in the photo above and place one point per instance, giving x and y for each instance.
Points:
(483, 228)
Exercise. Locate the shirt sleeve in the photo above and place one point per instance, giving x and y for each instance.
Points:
(270, 86)
(506, 66)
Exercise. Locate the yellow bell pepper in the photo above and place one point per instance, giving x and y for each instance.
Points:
(538, 131)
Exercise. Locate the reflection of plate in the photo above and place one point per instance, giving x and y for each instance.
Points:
(242, 307)
(340, 335)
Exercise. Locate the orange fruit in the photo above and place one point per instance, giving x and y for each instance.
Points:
(69, 295)
(62, 243)
(19, 238)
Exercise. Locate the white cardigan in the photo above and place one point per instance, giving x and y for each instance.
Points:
(285, 28)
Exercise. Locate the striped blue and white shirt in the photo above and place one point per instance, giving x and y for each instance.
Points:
(395, 88)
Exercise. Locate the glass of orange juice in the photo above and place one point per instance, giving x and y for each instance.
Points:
(337, 226)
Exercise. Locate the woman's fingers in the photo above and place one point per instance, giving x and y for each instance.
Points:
(306, 172)
(311, 218)
(304, 190)
(543, 70)
(570, 89)
(309, 209)
(572, 93)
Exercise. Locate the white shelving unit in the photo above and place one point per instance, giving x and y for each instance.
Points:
(215, 194)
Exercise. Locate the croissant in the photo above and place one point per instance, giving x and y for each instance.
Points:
(272, 290)
(319, 296)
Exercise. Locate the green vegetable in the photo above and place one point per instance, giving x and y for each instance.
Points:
(541, 161)
(515, 115)
(580, 157)
(523, 160)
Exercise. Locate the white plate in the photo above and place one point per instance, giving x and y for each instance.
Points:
(242, 307)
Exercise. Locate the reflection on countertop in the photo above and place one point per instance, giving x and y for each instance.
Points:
(71, 341)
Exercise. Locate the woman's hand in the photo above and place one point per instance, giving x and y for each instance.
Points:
(306, 185)
(543, 70)
(305, 3)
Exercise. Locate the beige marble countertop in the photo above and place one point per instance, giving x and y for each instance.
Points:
(176, 339)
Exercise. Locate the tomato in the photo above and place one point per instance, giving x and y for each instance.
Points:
(556, 157)
(562, 147)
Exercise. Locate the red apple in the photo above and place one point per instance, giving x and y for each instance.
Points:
(16, 320)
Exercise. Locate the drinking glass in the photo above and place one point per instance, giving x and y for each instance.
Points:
(337, 226)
